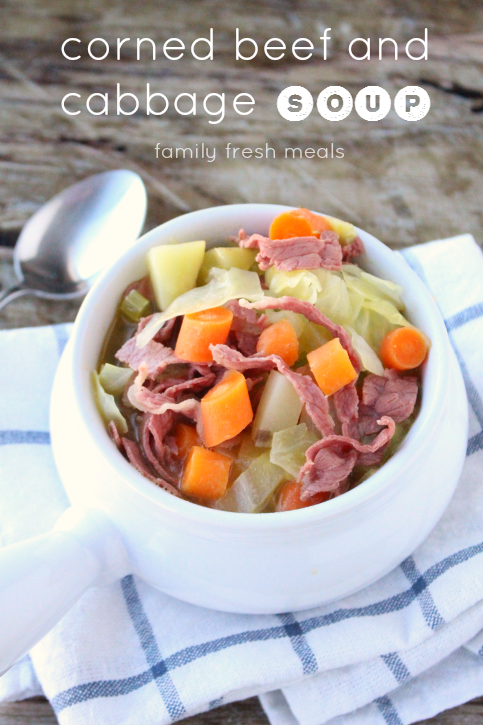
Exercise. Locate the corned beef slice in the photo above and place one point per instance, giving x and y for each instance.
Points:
(245, 327)
(296, 253)
(154, 428)
(135, 457)
(346, 403)
(310, 393)
(331, 460)
(353, 249)
(391, 394)
(311, 312)
(156, 356)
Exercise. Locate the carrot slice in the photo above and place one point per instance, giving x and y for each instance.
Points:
(404, 348)
(319, 223)
(298, 223)
(205, 474)
(331, 367)
(226, 409)
(185, 437)
(279, 339)
(288, 498)
(201, 329)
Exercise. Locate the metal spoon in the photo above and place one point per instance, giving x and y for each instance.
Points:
(70, 239)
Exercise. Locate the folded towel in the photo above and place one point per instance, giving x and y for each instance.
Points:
(401, 650)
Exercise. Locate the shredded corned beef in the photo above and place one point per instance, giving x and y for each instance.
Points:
(245, 327)
(389, 394)
(353, 249)
(296, 253)
(136, 459)
(346, 404)
(154, 429)
(315, 401)
(311, 312)
(114, 433)
(155, 355)
(331, 460)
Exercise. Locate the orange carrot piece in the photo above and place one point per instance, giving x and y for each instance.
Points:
(201, 329)
(205, 474)
(331, 367)
(404, 348)
(319, 223)
(279, 339)
(288, 225)
(226, 409)
(298, 223)
(185, 437)
(288, 498)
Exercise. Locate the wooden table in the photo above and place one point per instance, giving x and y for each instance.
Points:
(406, 183)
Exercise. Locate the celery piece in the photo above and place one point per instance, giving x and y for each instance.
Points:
(346, 231)
(113, 378)
(289, 447)
(253, 488)
(224, 285)
(173, 269)
(279, 408)
(106, 405)
(226, 258)
(134, 306)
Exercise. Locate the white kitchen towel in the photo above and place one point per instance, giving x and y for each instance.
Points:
(401, 650)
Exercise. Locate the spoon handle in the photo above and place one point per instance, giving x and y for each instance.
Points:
(13, 293)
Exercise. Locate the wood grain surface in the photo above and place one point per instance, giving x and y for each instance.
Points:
(406, 183)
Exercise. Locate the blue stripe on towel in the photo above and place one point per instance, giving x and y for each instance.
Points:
(113, 688)
(158, 668)
(467, 315)
(397, 667)
(388, 711)
(12, 437)
(430, 613)
(299, 643)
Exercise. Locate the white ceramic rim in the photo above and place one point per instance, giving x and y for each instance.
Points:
(435, 379)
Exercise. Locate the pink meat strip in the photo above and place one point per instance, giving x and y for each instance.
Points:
(390, 395)
(296, 253)
(354, 249)
(136, 459)
(154, 429)
(312, 314)
(331, 460)
(346, 404)
(155, 355)
(315, 401)
(246, 327)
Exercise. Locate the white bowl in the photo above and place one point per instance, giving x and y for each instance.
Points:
(120, 522)
(261, 563)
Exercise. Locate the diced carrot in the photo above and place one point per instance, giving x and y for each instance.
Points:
(205, 474)
(331, 366)
(201, 329)
(279, 339)
(226, 409)
(288, 498)
(185, 437)
(298, 223)
(404, 348)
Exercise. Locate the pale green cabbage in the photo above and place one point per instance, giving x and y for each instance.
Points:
(107, 405)
(253, 488)
(299, 283)
(223, 286)
(113, 378)
(289, 447)
(369, 359)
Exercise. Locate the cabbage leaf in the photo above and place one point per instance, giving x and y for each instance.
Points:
(223, 286)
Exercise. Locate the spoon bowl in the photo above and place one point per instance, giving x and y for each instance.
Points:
(76, 234)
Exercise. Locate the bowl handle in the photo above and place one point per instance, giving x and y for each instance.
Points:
(43, 577)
